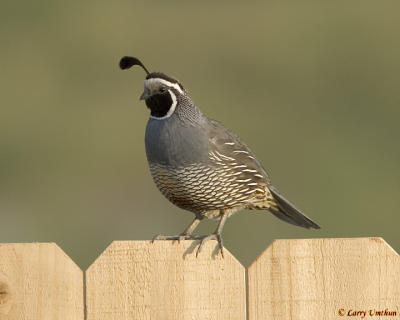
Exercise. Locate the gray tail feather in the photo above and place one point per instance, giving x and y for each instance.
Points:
(288, 212)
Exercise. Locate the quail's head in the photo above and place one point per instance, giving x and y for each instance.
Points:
(161, 92)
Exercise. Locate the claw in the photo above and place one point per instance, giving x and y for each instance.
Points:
(212, 236)
(221, 246)
(156, 237)
(182, 237)
(179, 238)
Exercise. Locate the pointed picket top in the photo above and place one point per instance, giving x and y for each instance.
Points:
(165, 280)
(324, 279)
(39, 281)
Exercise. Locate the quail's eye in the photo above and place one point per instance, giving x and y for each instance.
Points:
(163, 89)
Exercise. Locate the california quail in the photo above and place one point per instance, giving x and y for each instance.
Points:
(201, 166)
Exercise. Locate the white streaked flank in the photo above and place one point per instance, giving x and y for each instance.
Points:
(233, 174)
(249, 170)
(251, 191)
(214, 157)
(223, 156)
(244, 180)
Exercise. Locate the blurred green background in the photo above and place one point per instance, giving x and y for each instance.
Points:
(312, 87)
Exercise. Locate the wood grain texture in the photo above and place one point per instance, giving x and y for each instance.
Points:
(165, 280)
(325, 279)
(39, 281)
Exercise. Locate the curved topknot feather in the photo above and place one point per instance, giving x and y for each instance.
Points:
(127, 62)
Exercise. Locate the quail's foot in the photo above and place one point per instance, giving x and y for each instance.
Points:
(213, 236)
(185, 235)
(179, 238)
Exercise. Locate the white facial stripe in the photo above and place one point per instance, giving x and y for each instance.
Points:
(171, 110)
(150, 82)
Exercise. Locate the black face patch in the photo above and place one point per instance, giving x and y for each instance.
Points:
(159, 104)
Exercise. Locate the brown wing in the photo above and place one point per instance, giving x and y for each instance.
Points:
(229, 145)
(237, 164)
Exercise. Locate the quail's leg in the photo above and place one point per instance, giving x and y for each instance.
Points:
(185, 235)
(216, 235)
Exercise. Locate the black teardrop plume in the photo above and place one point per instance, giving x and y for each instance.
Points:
(127, 62)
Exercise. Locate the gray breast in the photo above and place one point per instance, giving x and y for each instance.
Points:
(172, 142)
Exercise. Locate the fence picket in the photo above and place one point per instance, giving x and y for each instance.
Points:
(39, 281)
(165, 280)
(325, 279)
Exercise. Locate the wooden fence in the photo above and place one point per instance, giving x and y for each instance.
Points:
(305, 279)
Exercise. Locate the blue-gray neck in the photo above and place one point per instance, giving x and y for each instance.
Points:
(181, 139)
